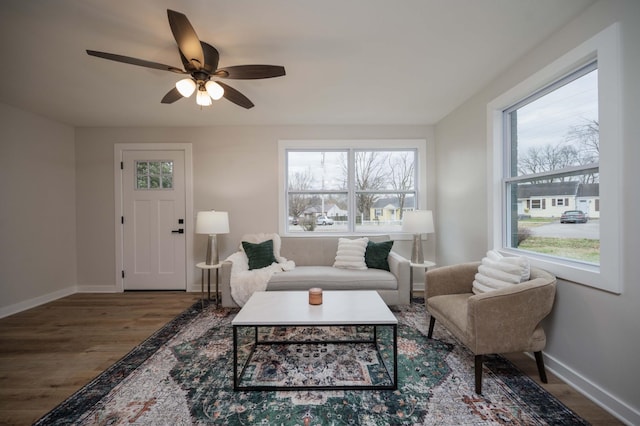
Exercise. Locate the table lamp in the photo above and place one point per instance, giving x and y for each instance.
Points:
(212, 223)
(417, 222)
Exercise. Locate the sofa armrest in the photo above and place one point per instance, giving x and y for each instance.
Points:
(504, 320)
(399, 267)
(454, 279)
(225, 285)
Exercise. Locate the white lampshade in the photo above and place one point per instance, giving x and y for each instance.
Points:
(418, 222)
(203, 98)
(186, 86)
(212, 222)
(214, 90)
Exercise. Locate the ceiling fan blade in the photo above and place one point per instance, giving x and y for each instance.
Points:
(171, 96)
(236, 97)
(135, 61)
(186, 37)
(211, 57)
(250, 72)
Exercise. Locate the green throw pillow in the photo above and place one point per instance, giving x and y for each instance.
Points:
(377, 253)
(260, 255)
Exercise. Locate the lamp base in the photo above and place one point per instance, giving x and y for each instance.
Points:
(416, 252)
(212, 251)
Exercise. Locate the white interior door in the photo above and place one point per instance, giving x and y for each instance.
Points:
(154, 231)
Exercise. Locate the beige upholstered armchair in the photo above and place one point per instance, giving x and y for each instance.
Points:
(499, 321)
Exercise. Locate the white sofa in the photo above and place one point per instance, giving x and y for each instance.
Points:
(314, 258)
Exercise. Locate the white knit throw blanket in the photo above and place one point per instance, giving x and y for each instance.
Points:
(245, 282)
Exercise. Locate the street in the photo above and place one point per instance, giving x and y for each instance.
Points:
(590, 230)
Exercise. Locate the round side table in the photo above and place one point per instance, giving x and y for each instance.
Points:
(426, 265)
(204, 267)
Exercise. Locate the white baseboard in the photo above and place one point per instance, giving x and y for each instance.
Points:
(98, 289)
(625, 413)
(36, 301)
(196, 289)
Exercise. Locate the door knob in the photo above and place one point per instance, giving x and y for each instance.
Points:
(178, 231)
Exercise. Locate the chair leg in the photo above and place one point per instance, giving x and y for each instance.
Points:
(478, 371)
(540, 363)
(432, 322)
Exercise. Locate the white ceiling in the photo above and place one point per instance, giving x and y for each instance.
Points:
(347, 62)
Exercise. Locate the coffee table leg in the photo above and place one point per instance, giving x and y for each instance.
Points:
(235, 358)
(395, 353)
(395, 356)
(239, 372)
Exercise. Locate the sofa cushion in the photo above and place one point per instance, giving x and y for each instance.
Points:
(377, 253)
(350, 254)
(497, 271)
(261, 237)
(329, 278)
(260, 255)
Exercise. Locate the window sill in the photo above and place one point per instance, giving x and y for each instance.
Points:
(580, 273)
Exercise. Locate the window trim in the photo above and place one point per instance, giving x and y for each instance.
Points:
(605, 48)
(420, 145)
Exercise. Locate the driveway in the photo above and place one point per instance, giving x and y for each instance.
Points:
(590, 230)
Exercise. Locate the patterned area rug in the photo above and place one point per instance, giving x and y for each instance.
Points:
(183, 375)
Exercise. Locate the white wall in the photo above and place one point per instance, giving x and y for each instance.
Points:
(37, 210)
(593, 336)
(235, 169)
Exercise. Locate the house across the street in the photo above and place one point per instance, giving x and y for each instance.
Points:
(551, 199)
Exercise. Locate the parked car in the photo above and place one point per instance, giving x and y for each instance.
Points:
(573, 216)
(324, 220)
(293, 220)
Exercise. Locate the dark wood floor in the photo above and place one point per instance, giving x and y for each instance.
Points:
(49, 352)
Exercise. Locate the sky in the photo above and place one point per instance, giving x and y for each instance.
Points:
(549, 118)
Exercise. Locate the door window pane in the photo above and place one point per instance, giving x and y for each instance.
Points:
(154, 174)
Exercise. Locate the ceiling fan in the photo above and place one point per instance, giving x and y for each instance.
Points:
(200, 62)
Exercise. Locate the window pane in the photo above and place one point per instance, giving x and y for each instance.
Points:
(167, 167)
(343, 184)
(318, 213)
(569, 230)
(385, 170)
(142, 183)
(154, 174)
(167, 182)
(556, 133)
(317, 170)
(557, 130)
(142, 167)
(382, 212)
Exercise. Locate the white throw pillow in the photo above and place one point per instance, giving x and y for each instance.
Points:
(262, 237)
(497, 271)
(350, 253)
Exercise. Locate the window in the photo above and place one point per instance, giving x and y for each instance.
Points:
(536, 204)
(348, 186)
(555, 193)
(154, 174)
(553, 141)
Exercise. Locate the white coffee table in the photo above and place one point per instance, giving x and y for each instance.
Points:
(292, 309)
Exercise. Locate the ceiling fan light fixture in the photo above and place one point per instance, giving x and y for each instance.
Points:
(214, 90)
(203, 98)
(186, 87)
